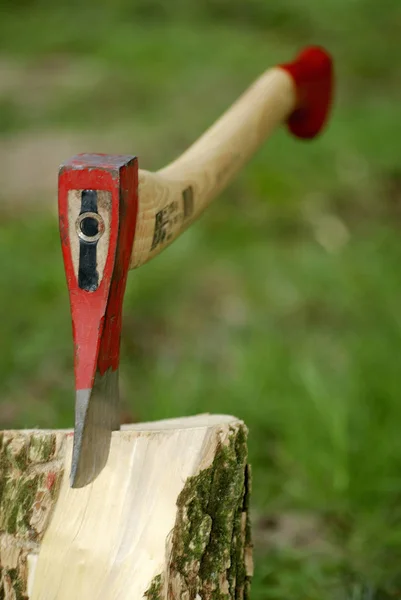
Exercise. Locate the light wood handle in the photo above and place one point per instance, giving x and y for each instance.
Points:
(172, 198)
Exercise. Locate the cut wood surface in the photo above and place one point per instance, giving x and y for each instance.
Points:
(167, 518)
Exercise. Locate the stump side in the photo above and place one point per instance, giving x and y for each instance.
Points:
(31, 467)
(210, 554)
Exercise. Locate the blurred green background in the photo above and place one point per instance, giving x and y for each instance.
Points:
(281, 305)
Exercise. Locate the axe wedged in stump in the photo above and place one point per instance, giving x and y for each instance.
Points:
(114, 217)
(161, 509)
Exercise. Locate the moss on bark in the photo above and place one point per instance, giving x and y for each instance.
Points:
(17, 585)
(155, 590)
(11, 585)
(42, 447)
(17, 504)
(211, 530)
(14, 452)
(17, 487)
(27, 496)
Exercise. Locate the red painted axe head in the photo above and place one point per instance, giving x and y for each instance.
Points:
(312, 73)
(97, 215)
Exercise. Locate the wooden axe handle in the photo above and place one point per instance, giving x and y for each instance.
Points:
(298, 93)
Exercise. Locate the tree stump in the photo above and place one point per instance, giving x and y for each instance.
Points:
(166, 519)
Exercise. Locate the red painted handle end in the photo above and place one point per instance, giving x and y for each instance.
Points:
(312, 73)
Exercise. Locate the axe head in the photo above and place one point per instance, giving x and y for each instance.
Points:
(98, 203)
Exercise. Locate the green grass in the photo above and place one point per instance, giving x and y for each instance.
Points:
(280, 306)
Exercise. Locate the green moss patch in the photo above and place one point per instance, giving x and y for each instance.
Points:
(17, 488)
(17, 584)
(17, 503)
(42, 447)
(210, 536)
(155, 590)
(14, 452)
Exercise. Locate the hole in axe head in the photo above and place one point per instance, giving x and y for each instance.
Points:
(90, 226)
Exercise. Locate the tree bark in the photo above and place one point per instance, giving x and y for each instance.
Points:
(166, 519)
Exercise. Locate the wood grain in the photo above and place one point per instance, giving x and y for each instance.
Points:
(172, 198)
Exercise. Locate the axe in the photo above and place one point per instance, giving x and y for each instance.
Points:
(114, 217)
